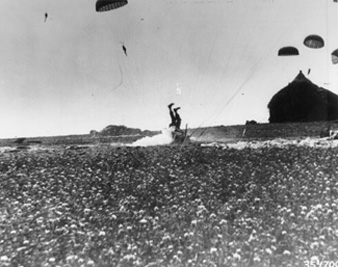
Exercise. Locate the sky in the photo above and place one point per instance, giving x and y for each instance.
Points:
(216, 59)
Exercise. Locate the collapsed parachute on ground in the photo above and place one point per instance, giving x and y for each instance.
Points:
(314, 41)
(106, 5)
(288, 51)
(334, 56)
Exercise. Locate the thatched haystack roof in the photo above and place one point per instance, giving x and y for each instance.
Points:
(303, 101)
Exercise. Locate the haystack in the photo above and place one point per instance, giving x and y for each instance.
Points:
(303, 101)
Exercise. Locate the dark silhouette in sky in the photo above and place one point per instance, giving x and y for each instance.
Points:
(124, 50)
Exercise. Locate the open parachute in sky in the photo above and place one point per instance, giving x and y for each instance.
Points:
(288, 51)
(106, 5)
(314, 41)
(334, 56)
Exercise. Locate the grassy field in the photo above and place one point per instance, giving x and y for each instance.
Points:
(168, 206)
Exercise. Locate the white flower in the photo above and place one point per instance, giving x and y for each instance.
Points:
(90, 262)
(4, 258)
(102, 233)
(166, 237)
(186, 235)
(269, 251)
(237, 256)
(213, 250)
(193, 222)
(212, 216)
(143, 220)
(286, 252)
(257, 258)
(223, 221)
(318, 206)
(315, 259)
(71, 257)
(177, 258)
(86, 210)
(129, 257)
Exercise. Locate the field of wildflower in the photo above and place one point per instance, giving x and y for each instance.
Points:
(169, 206)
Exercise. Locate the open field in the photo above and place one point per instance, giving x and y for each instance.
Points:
(261, 131)
(168, 206)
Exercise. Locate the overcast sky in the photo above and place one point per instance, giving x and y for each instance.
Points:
(216, 59)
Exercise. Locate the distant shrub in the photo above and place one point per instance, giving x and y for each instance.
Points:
(117, 130)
